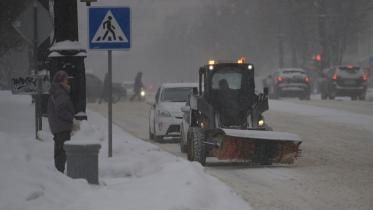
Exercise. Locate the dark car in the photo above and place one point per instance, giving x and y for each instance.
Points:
(344, 81)
(289, 82)
(94, 88)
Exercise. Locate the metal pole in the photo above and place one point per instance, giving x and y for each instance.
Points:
(110, 105)
(35, 64)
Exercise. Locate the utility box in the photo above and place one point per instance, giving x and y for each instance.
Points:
(82, 161)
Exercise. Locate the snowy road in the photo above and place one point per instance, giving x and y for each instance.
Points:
(335, 172)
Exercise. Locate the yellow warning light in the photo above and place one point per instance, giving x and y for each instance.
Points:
(211, 62)
(241, 60)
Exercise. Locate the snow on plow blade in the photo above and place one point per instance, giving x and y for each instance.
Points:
(258, 146)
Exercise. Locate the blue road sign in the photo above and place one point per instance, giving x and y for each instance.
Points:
(109, 28)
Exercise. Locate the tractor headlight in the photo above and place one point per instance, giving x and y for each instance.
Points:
(261, 123)
(142, 93)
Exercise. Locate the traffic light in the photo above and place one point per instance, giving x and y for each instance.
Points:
(317, 58)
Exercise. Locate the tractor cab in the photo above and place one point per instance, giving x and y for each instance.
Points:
(228, 87)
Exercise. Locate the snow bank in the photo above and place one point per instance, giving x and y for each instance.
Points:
(138, 176)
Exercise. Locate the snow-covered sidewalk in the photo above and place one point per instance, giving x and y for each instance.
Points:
(139, 176)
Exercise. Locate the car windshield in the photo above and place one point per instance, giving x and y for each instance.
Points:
(231, 77)
(177, 94)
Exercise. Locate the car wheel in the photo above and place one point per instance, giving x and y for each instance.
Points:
(156, 137)
(354, 98)
(362, 97)
(323, 95)
(116, 97)
(332, 96)
(151, 135)
(305, 97)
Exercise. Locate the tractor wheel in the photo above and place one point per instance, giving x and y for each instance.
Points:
(189, 145)
(197, 150)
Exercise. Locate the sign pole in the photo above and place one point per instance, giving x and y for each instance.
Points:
(35, 66)
(110, 104)
(109, 29)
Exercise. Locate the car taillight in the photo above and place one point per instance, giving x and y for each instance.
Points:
(365, 76)
(334, 77)
(280, 79)
(306, 79)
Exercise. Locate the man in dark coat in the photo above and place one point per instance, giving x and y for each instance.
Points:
(60, 116)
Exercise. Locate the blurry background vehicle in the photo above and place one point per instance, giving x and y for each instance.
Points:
(344, 81)
(288, 82)
(165, 115)
(94, 88)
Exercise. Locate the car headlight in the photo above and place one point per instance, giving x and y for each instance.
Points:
(142, 93)
(164, 113)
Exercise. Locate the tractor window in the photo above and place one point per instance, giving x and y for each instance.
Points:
(232, 80)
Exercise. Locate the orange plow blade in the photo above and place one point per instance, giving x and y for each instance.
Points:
(258, 146)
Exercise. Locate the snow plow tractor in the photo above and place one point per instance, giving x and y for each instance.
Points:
(225, 119)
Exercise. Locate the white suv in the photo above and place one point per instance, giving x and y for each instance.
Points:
(165, 114)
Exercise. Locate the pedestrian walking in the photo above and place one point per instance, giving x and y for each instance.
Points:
(60, 116)
(137, 87)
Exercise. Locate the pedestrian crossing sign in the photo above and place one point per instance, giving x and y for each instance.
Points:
(109, 28)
